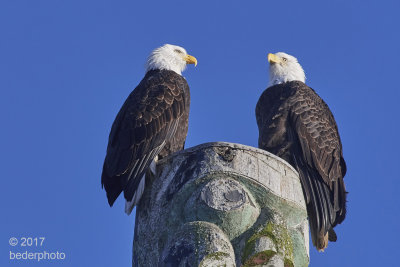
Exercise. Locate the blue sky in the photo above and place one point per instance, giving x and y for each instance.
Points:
(67, 66)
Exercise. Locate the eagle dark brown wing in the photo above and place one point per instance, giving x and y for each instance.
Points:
(147, 122)
(297, 125)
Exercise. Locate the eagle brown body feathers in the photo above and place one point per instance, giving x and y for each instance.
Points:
(297, 125)
(152, 121)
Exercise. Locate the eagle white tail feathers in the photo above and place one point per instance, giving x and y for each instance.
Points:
(322, 242)
(153, 165)
(129, 205)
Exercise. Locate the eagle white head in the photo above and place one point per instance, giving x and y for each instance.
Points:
(284, 68)
(169, 57)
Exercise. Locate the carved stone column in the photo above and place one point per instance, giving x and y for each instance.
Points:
(222, 204)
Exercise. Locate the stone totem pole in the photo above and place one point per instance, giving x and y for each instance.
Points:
(222, 204)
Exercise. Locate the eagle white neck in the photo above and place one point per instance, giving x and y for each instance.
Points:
(161, 59)
(279, 74)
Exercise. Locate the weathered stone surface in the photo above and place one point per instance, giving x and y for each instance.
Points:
(222, 204)
(198, 244)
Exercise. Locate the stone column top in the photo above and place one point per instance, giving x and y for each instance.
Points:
(231, 145)
(222, 204)
(258, 164)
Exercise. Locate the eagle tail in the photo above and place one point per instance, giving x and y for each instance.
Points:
(320, 206)
(322, 239)
(129, 205)
(112, 185)
(332, 235)
(342, 195)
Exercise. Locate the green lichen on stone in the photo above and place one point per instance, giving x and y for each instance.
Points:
(217, 255)
(288, 263)
(279, 235)
(248, 249)
(260, 258)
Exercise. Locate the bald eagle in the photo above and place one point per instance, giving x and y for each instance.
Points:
(296, 124)
(151, 124)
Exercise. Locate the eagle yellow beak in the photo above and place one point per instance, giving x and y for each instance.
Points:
(190, 60)
(272, 58)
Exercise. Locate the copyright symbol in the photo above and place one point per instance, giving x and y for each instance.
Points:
(13, 241)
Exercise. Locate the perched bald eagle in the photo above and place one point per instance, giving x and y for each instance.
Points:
(151, 124)
(296, 124)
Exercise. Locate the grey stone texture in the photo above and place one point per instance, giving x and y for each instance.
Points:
(222, 204)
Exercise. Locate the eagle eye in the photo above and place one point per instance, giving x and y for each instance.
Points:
(284, 59)
(178, 51)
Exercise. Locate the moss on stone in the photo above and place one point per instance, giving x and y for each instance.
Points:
(248, 249)
(279, 235)
(288, 263)
(259, 258)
